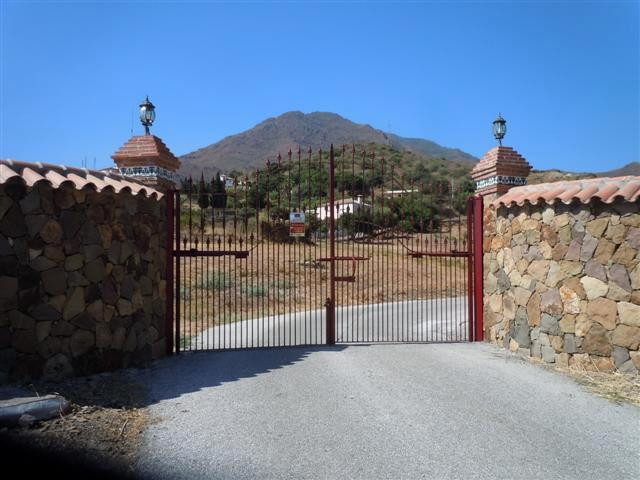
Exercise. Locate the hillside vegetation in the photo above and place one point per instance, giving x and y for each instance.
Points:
(545, 176)
(429, 189)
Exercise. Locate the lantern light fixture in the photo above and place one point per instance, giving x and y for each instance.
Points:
(147, 114)
(499, 128)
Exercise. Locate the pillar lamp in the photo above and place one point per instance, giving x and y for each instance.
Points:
(147, 114)
(499, 128)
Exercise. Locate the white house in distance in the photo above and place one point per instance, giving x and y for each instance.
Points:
(398, 193)
(228, 181)
(347, 205)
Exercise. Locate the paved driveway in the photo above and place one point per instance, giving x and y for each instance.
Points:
(380, 411)
(442, 319)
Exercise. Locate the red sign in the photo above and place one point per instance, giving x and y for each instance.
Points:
(296, 224)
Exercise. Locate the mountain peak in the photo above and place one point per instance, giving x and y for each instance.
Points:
(250, 149)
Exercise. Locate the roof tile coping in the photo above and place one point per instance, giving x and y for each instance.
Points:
(80, 178)
(605, 189)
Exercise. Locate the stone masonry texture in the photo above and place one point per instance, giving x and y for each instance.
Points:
(82, 281)
(563, 282)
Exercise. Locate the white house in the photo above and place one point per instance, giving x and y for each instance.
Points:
(347, 205)
(228, 181)
(398, 193)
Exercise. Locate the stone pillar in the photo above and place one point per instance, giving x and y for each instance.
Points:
(147, 159)
(500, 169)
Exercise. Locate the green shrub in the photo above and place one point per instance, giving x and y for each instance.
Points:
(255, 290)
(276, 232)
(215, 281)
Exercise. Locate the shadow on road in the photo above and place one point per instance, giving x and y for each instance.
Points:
(193, 371)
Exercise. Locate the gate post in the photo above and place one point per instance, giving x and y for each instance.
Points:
(500, 169)
(169, 197)
(147, 159)
(478, 270)
(331, 301)
(177, 282)
(470, 261)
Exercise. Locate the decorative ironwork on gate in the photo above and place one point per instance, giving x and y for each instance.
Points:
(323, 247)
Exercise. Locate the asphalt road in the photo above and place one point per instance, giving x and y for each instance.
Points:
(442, 319)
(380, 411)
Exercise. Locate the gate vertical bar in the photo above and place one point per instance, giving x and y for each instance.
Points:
(331, 301)
(469, 249)
(478, 268)
(169, 198)
(177, 282)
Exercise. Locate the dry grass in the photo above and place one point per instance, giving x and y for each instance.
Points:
(616, 387)
(103, 429)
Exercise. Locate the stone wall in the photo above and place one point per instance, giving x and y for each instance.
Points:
(82, 284)
(562, 283)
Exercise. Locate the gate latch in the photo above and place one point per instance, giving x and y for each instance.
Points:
(345, 278)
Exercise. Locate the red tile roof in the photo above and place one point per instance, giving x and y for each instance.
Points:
(605, 189)
(58, 175)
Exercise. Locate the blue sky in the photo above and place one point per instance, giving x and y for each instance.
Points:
(563, 74)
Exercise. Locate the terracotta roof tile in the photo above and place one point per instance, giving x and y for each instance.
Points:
(605, 189)
(57, 175)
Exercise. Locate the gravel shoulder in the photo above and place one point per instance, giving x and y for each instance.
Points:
(380, 411)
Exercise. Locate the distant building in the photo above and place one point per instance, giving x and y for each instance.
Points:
(228, 181)
(347, 205)
(398, 193)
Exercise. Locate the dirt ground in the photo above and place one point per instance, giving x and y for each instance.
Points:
(102, 430)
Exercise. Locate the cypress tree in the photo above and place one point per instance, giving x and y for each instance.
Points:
(218, 193)
(203, 198)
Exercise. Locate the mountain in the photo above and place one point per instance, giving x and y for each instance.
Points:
(432, 149)
(632, 168)
(250, 149)
(544, 176)
(548, 176)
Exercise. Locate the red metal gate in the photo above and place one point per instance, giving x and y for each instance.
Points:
(323, 248)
